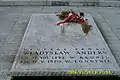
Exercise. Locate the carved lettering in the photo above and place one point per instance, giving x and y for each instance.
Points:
(67, 61)
(51, 52)
(93, 52)
(72, 57)
(91, 60)
(50, 61)
(97, 57)
(104, 52)
(41, 52)
(86, 57)
(81, 57)
(86, 61)
(81, 61)
(89, 52)
(78, 52)
(101, 61)
(66, 52)
(57, 57)
(56, 53)
(41, 61)
(45, 57)
(54, 61)
(83, 52)
(91, 57)
(61, 53)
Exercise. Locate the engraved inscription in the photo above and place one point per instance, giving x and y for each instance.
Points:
(88, 55)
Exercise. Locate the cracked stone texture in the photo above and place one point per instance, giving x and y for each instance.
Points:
(14, 21)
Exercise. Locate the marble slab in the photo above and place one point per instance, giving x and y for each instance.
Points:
(45, 50)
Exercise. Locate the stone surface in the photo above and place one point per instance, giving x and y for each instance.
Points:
(45, 48)
(52, 9)
(102, 3)
(98, 13)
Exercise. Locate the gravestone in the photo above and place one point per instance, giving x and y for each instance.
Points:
(44, 50)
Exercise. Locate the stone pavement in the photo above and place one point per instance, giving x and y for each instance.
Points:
(14, 20)
(100, 3)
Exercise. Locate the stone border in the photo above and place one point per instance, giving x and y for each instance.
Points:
(99, 3)
(43, 73)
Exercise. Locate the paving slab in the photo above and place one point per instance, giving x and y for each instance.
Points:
(4, 32)
(66, 45)
(112, 20)
(33, 9)
(59, 3)
(116, 30)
